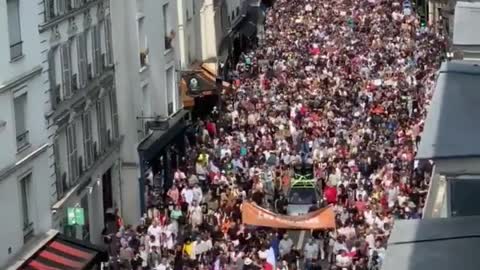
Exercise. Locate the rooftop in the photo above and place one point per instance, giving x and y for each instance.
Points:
(451, 127)
(440, 244)
(467, 14)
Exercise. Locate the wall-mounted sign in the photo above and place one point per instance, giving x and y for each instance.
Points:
(76, 216)
(193, 84)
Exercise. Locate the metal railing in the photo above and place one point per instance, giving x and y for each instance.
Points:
(28, 231)
(22, 140)
(16, 50)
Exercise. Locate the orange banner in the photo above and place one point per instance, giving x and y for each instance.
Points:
(323, 218)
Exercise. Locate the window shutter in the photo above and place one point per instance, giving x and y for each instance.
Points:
(87, 138)
(70, 143)
(61, 6)
(100, 126)
(94, 54)
(98, 51)
(108, 41)
(66, 72)
(82, 59)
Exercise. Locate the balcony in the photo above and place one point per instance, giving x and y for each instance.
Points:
(28, 231)
(93, 85)
(22, 141)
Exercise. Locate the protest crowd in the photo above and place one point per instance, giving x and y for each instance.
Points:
(341, 84)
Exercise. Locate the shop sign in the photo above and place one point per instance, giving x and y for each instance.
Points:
(193, 84)
(76, 216)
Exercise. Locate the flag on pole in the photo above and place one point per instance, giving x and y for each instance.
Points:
(271, 260)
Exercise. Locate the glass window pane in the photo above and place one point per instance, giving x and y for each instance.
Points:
(464, 199)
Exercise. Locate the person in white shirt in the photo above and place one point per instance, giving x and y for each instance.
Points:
(154, 229)
(187, 195)
(197, 193)
(195, 214)
(343, 261)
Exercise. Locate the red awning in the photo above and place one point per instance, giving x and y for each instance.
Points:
(62, 253)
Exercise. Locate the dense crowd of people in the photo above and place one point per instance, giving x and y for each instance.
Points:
(341, 84)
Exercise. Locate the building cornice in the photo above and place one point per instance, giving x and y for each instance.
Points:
(51, 23)
(22, 78)
(5, 172)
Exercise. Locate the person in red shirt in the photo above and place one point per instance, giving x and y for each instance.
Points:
(212, 129)
(267, 266)
(330, 194)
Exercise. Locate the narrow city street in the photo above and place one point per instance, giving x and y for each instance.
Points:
(228, 134)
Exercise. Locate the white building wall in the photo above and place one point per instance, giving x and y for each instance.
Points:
(85, 190)
(22, 76)
(138, 26)
(208, 38)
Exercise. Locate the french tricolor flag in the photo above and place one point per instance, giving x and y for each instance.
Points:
(271, 260)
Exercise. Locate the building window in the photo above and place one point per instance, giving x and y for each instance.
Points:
(238, 11)
(87, 138)
(26, 204)
(86, 227)
(49, 9)
(114, 109)
(60, 179)
(79, 3)
(166, 27)
(233, 15)
(170, 90)
(20, 108)
(72, 153)
(96, 50)
(82, 59)
(142, 42)
(61, 6)
(66, 60)
(14, 30)
(194, 6)
(102, 125)
(108, 40)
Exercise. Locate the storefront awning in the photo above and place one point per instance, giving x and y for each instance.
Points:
(198, 82)
(201, 81)
(151, 147)
(62, 252)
